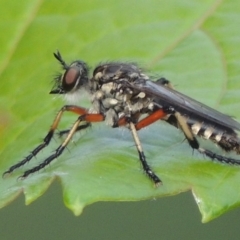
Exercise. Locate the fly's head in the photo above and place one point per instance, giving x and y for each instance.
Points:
(74, 77)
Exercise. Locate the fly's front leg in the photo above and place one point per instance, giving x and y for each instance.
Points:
(86, 118)
(81, 127)
(48, 137)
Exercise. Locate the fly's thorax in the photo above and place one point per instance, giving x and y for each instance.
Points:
(115, 101)
(116, 70)
(112, 94)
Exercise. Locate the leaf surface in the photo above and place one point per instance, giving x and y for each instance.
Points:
(192, 43)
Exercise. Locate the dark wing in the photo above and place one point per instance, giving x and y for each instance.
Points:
(164, 96)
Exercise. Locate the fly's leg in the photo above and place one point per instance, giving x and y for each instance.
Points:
(88, 118)
(153, 117)
(150, 119)
(81, 127)
(182, 124)
(218, 157)
(142, 157)
(48, 137)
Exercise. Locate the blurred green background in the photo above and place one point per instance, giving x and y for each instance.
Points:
(166, 218)
(181, 40)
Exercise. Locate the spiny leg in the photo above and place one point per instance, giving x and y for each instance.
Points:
(48, 137)
(81, 127)
(153, 117)
(60, 149)
(219, 157)
(142, 157)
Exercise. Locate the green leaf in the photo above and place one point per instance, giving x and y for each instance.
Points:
(192, 43)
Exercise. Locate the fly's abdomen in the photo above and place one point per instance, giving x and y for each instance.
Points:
(225, 138)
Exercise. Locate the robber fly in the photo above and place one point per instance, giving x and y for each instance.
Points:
(122, 95)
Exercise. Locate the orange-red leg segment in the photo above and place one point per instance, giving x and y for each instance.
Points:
(157, 115)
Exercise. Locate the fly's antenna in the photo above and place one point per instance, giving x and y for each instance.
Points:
(58, 56)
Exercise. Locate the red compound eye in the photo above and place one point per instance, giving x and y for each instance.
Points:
(70, 78)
